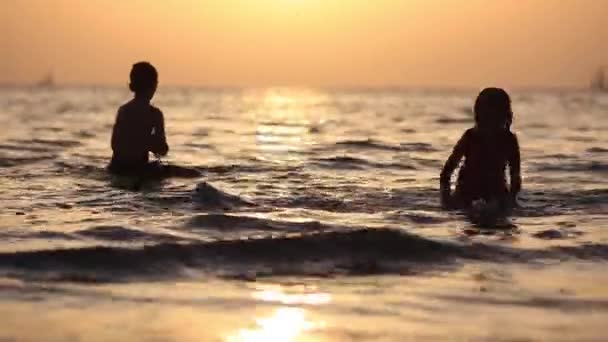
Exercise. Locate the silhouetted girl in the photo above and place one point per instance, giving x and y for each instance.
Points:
(487, 149)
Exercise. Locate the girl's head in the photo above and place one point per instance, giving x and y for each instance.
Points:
(493, 109)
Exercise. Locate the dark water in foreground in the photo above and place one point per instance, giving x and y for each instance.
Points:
(319, 221)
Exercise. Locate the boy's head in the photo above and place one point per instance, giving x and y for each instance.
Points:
(493, 109)
(144, 79)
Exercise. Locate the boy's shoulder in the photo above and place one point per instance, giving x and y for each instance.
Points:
(155, 109)
(135, 106)
(127, 107)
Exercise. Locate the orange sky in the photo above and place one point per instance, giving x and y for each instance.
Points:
(307, 42)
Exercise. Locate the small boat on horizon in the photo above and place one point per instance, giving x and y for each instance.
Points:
(600, 80)
(46, 82)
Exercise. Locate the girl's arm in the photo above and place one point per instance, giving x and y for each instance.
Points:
(450, 165)
(515, 168)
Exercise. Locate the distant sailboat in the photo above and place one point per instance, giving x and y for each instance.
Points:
(46, 82)
(600, 80)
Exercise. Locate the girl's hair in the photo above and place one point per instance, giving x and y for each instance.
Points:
(493, 108)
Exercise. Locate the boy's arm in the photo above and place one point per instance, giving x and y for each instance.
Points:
(117, 132)
(159, 140)
(449, 167)
(515, 168)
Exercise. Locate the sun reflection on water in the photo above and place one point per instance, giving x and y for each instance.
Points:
(285, 120)
(292, 299)
(287, 323)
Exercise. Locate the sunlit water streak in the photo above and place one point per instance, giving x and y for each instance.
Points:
(319, 220)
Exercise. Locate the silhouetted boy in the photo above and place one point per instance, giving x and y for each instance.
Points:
(139, 128)
(487, 149)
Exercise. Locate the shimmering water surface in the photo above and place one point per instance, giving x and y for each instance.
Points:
(316, 219)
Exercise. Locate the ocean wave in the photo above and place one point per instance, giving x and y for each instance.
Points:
(22, 148)
(28, 151)
(201, 132)
(555, 202)
(94, 168)
(417, 147)
(368, 144)
(123, 234)
(343, 162)
(561, 303)
(560, 156)
(418, 218)
(557, 234)
(57, 143)
(378, 145)
(537, 125)
(355, 163)
(6, 161)
(283, 124)
(316, 201)
(597, 150)
(451, 120)
(356, 252)
(582, 166)
(347, 198)
(237, 168)
(41, 235)
(368, 251)
(225, 222)
(586, 139)
(207, 194)
(84, 134)
(200, 146)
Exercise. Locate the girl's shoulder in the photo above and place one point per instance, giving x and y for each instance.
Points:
(471, 133)
(511, 136)
(469, 138)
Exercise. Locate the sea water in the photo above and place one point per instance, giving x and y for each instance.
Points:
(317, 218)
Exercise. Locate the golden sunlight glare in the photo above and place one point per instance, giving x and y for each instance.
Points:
(286, 324)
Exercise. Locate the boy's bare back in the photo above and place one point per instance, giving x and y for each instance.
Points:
(139, 129)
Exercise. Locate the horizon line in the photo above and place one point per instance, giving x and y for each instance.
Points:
(218, 86)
